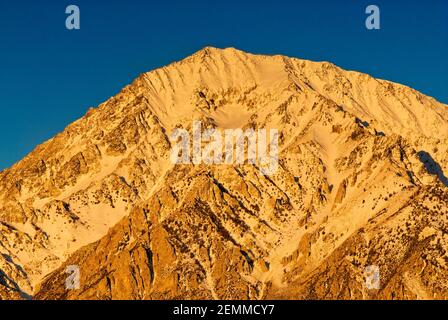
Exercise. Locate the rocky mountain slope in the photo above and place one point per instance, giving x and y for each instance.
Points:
(360, 182)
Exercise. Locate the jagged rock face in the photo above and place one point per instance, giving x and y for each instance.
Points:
(360, 182)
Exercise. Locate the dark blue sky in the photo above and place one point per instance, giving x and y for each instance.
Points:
(50, 76)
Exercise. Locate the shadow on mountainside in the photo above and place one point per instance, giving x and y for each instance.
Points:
(432, 166)
(4, 280)
(9, 283)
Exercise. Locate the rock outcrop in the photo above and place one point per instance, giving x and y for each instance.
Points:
(360, 182)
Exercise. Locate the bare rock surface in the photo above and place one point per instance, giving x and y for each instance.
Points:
(361, 181)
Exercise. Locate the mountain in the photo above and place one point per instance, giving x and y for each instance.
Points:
(360, 182)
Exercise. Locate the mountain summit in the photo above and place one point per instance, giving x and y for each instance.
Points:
(360, 183)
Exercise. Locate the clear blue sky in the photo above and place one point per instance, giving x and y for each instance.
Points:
(50, 76)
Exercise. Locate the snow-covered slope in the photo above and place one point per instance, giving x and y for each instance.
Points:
(360, 182)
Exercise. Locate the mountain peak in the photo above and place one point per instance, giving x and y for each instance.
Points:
(361, 167)
(211, 49)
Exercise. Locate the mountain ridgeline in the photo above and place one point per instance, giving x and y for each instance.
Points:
(360, 182)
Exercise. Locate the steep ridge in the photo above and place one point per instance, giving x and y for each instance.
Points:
(360, 182)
